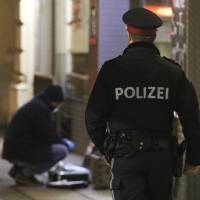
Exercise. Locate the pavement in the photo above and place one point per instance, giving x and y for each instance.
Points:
(10, 191)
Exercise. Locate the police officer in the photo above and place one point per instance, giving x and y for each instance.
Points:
(134, 97)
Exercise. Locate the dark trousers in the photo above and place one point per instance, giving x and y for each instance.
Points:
(142, 176)
(57, 153)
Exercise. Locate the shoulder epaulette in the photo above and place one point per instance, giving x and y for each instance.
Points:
(115, 59)
(172, 61)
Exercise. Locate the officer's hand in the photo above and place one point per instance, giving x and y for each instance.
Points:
(191, 170)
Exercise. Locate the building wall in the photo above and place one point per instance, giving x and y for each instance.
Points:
(16, 55)
(112, 34)
(193, 59)
(72, 120)
(193, 52)
(188, 187)
(43, 38)
(7, 30)
(7, 43)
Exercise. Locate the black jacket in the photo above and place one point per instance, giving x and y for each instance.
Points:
(30, 131)
(139, 91)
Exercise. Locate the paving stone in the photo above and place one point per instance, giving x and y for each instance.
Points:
(12, 194)
(96, 194)
(42, 193)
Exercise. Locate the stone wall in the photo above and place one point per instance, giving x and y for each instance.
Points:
(7, 43)
(193, 53)
(193, 64)
(71, 123)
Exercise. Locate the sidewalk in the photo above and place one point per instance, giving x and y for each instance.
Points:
(10, 191)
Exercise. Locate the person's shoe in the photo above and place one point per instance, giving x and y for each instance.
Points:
(20, 179)
(14, 170)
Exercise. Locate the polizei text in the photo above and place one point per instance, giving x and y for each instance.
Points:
(149, 92)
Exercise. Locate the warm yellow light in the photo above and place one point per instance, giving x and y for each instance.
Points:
(162, 11)
(167, 12)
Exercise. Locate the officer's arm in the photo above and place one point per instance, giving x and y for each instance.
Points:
(188, 111)
(97, 110)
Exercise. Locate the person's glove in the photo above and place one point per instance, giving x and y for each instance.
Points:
(69, 144)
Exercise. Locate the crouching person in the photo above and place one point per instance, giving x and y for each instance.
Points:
(31, 143)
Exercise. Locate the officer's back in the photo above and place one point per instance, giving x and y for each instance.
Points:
(142, 84)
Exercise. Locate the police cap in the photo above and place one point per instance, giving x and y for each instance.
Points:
(141, 19)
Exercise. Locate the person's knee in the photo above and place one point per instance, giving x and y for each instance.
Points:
(63, 151)
(60, 151)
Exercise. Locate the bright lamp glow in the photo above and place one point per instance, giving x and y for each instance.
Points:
(162, 11)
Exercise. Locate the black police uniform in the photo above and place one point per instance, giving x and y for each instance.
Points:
(137, 93)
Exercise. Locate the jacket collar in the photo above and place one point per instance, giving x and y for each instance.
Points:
(141, 48)
(42, 96)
